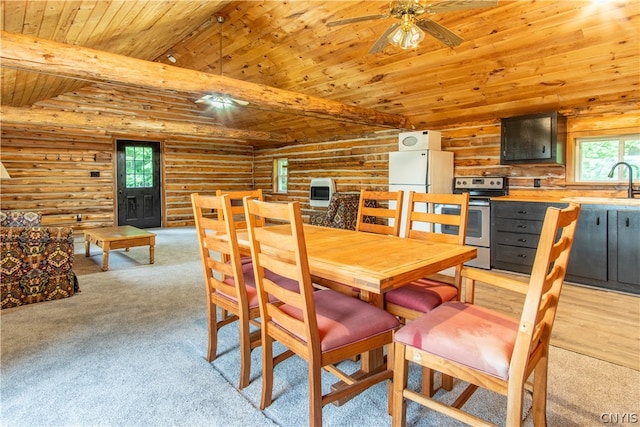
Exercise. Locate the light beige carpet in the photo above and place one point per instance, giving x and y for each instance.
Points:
(129, 350)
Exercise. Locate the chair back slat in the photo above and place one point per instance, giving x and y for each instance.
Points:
(378, 228)
(216, 244)
(237, 206)
(376, 209)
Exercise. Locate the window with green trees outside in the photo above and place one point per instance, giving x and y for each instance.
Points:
(139, 167)
(596, 156)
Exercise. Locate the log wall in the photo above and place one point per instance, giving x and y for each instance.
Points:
(50, 166)
(50, 172)
(362, 163)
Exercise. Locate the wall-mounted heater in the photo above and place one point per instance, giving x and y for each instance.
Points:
(320, 192)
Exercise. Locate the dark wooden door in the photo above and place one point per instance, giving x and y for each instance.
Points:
(138, 183)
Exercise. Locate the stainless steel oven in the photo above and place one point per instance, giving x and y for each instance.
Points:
(480, 190)
(478, 232)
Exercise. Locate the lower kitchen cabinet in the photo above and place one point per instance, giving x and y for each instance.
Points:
(588, 260)
(605, 252)
(624, 249)
(515, 231)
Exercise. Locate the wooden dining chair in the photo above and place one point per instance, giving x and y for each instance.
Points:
(228, 277)
(322, 327)
(425, 221)
(237, 210)
(237, 207)
(485, 348)
(376, 219)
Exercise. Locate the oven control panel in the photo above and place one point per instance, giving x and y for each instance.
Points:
(479, 183)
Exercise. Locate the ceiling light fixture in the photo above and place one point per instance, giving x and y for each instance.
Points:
(216, 100)
(172, 58)
(407, 35)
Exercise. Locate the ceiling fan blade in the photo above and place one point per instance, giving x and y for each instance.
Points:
(240, 102)
(453, 5)
(203, 99)
(357, 19)
(382, 41)
(441, 33)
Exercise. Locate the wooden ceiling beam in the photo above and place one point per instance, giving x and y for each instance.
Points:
(117, 123)
(46, 56)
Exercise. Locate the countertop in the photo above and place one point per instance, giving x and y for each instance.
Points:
(541, 199)
(616, 201)
(603, 201)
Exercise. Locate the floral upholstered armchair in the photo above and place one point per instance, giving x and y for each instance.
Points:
(36, 262)
(341, 213)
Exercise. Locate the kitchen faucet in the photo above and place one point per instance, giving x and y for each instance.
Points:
(631, 191)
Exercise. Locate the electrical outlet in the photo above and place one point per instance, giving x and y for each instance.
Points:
(536, 182)
(78, 217)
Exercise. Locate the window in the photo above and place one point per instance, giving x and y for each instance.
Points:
(280, 175)
(139, 167)
(595, 157)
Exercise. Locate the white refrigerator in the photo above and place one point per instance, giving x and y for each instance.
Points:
(423, 171)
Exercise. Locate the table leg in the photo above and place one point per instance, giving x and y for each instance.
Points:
(151, 253)
(105, 256)
(372, 360)
(87, 242)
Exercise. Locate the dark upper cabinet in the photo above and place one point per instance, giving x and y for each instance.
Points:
(534, 138)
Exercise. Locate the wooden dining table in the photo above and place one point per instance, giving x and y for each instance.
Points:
(372, 263)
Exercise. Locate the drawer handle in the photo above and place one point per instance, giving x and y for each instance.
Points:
(598, 221)
(522, 256)
(522, 240)
(522, 212)
(627, 222)
(522, 226)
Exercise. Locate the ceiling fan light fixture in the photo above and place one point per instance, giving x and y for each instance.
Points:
(406, 36)
(220, 102)
(216, 101)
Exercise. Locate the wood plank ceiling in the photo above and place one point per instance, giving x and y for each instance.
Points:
(518, 57)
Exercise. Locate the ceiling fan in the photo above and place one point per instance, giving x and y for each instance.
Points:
(410, 30)
(218, 100)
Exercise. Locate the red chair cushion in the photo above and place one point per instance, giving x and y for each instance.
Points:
(422, 295)
(344, 320)
(464, 333)
(250, 282)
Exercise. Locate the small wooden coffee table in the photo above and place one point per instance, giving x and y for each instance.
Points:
(118, 238)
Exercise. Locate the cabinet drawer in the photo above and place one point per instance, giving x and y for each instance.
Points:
(520, 210)
(517, 239)
(518, 226)
(515, 255)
